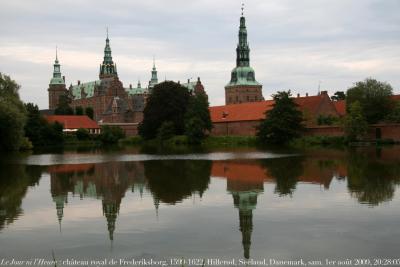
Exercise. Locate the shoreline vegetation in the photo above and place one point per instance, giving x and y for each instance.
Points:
(180, 143)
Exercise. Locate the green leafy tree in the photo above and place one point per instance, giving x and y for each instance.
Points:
(79, 111)
(111, 134)
(12, 115)
(166, 131)
(394, 115)
(339, 95)
(82, 134)
(40, 132)
(168, 102)
(355, 124)
(283, 122)
(89, 112)
(63, 107)
(374, 98)
(197, 119)
(326, 120)
(194, 130)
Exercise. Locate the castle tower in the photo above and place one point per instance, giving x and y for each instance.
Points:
(60, 200)
(154, 79)
(246, 202)
(56, 86)
(110, 211)
(243, 86)
(108, 68)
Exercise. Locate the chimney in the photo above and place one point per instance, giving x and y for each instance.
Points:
(198, 80)
(324, 92)
(306, 94)
(188, 81)
(130, 86)
(298, 95)
(64, 79)
(179, 82)
(79, 82)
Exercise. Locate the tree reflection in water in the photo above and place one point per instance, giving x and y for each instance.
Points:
(171, 181)
(286, 172)
(371, 181)
(14, 183)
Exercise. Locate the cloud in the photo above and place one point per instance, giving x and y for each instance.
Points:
(294, 44)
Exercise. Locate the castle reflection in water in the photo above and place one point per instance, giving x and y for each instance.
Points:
(371, 178)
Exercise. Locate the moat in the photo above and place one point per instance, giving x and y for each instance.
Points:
(237, 204)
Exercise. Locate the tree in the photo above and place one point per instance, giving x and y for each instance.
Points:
(39, 131)
(374, 98)
(197, 119)
(63, 107)
(111, 134)
(339, 95)
(79, 111)
(355, 124)
(394, 115)
(326, 119)
(12, 115)
(166, 131)
(283, 122)
(82, 134)
(168, 102)
(89, 112)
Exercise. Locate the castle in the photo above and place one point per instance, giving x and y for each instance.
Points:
(110, 100)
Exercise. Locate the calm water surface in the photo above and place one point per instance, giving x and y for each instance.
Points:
(243, 204)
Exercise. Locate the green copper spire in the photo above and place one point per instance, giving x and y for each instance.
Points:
(57, 79)
(108, 68)
(154, 78)
(242, 50)
(242, 74)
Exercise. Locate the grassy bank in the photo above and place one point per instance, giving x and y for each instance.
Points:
(209, 142)
(336, 142)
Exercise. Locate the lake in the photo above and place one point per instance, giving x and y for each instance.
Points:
(93, 207)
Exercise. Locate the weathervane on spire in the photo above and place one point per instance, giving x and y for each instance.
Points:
(107, 31)
(56, 54)
(242, 8)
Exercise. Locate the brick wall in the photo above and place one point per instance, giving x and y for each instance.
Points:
(243, 94)
(235, 128)
(248, 128)
(130, 129)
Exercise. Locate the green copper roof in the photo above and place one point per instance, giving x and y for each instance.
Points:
(243, 76)
(190, 86)
(136, 91)
(108, 68)
(57, 79)
(87, 87)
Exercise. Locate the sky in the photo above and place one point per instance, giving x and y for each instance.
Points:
(299, 45)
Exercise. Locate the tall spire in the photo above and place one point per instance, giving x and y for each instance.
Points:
(154, 78)
(242, 50)
(57, 79)
(108, 68)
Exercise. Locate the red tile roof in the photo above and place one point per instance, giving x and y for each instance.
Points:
(73, 121)
(340, 107)
(256, 110)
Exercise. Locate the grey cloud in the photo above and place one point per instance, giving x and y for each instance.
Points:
(294, 44)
